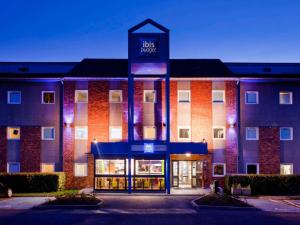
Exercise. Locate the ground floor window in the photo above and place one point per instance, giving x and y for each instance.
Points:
(80, 169)
(13, 167)
(252, 168)
(219, 169)
(48, 167)
(286, 169)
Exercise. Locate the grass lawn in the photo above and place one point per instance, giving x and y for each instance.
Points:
(218, 200)
(46, 194)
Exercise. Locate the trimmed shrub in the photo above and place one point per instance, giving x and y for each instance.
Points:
(33, 182)
(266, 184)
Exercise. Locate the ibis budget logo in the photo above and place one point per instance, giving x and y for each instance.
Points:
(148, 47)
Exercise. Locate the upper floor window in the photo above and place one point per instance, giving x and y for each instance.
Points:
(252, 133)
(48, 97)
(115, 96)
(285, 98)
(149, 132)
(115, 133)
(219, 169)
(184, 96)
(286, 169)
(184, 133)
(13, 133)
(251, 97)
(218, 96)
(14, 97)
(286, 133)
(13, 167)
(149, 96)
(48, 133)
(219, 133)
(81, 96)
(81, 133)
(252, 168)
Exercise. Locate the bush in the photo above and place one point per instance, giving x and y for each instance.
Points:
(266, 184)
(33, 182)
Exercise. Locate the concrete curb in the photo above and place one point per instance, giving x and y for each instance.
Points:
(47, 207)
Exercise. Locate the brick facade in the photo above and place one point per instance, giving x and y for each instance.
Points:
(269, 150)
(3, 149)
(231, 150)
(138, 109)
(173, 111)
(30, 150)
(124, 88)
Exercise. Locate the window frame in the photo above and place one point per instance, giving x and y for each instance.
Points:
(45, 103)
(7, 167)
(76, 96)
(110, 96)
(47, 164)
(145, 127)
(257, 97)
(86, 170)
(219, 127)
(48, 139)
(81, 127)
(257, 134)
(223, 93)
(224, 171)
(292, 134)
(251, 164)
(144, 96)
(291, 164)
(8, 97)
(178, 94)
(8, 133)
(110, 132)
(178, 133)
(291, 97)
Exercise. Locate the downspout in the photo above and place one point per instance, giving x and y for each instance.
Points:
(61, 123)
(240, 150)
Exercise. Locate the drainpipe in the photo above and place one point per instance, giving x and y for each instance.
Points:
(61, 123)
(240, 150)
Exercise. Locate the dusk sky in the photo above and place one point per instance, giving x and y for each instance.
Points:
(232, 30)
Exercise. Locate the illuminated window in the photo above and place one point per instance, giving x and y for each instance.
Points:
(149, 96)
(81, 133)
(286, 169)
(48, 97)
(149, 167)
(48, 133)
(219, 169)
(218, 96)
(115, 133)
(81, 96)
(251, 97)
(13, 133)
(252, 168)
(184, 96)
(219, 133)
(80, 169)
(184, 133)
(286, 133)
(14, 97)
(47, 168)
(110, 167)
(13, 167)
(285, 98)
(149, 132)
(115, 96)
(252, 133)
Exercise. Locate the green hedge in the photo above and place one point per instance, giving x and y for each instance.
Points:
(266, 184)
(33, 182)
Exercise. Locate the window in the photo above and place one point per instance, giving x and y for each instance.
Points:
(149, 132)
(184, 96)
(48, 167)
(252, 133)
(285, 98)
(219, 132)
(251, 97)
(115, 96)
(13, 133)
(110, 167)
(48, 97)
(81, 133)
(81, 96)
(286, 169)
(14, 97)
(150, 96)
(13, 167)
(80, 169)
(286, 133)
(115, 133)
(184, 133)
(48, 133)
(219, 169)
(149, 167)
(218, 96)
(252, 168)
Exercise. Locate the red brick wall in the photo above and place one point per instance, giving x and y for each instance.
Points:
(269, 150)
(231, 150)
(3, 149)
(124, 88)
(138, 109)
(173, 110)
(30, 150)
(201, 111)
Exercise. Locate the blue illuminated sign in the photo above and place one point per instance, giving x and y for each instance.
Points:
(148, 47)
(148, 148)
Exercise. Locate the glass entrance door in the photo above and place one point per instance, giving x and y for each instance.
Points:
(185, 174)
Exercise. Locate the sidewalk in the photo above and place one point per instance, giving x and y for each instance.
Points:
(22, 202)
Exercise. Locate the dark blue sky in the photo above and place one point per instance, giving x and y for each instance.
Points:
(232, 30)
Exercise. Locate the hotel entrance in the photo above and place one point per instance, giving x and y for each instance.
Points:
(187, 174)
